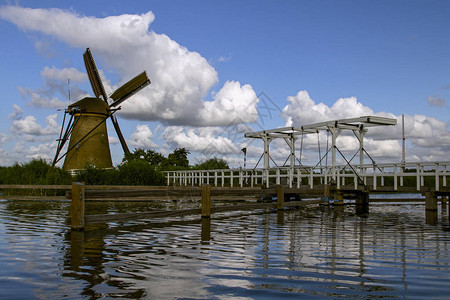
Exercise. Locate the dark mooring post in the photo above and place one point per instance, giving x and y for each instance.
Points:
(338, 198)
(448, 205)
(431, 201)
(362, 203)
(77, 215)
(431, 206)
(280, 197)
(326, 192)
(206, 201)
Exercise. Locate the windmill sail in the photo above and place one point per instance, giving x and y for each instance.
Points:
(130, 88)
(94, 76)
(120, 135)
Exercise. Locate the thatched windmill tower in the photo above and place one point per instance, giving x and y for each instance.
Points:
(86, 127)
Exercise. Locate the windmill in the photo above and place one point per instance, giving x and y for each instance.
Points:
(88, 143)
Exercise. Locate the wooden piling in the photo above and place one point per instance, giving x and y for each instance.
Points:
(280, 197)
(77, 214)
(206, 201)
(326, 191)
(431, 202)
(362, 203)
(448, 206)
(338, 197)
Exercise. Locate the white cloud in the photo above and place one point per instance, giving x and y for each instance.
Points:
(302, 110)
(29, 126)
(233, 104)
(56, 83)
(181, 79)
(436, 101)
(421, 131)
(113, 140)
(22, 152)
(3, 138)
(38, 100)
(205, 140)
(142, 138)
(17, 114)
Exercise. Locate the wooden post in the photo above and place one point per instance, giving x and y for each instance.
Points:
(206, 201)
(77, 215)
(443, 204)
(448, 206)
(206, 231)
(362, 203)
(326, 192)
(338, 197)
(431, 202)
(280, 197)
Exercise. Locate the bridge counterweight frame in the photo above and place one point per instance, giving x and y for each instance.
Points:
(359, 127)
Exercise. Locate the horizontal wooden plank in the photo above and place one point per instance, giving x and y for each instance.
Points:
(35, 186)
(103, 218)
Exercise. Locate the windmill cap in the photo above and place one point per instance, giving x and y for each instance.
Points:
(91, 105)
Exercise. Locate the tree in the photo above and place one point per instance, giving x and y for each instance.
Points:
(177, 159)
(213, 164)
(152, 157)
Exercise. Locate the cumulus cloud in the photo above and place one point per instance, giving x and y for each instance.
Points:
(29, 126)
(233, 104)
(17, 114)
(23, 152)
(181, 79)
(421, 131)
(142, 138)
(205, 140)
(113, 140)
(436, 101)
(3, 138)
(56, 84)
(302, 110)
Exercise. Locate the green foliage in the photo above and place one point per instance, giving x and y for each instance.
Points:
(150, 156)
(134, 172)
(140, 172)
(213, 164)
(177, 160)
(37, 171)
(92, 176)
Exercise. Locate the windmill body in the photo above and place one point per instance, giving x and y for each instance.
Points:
(89, 138)
(86, 130)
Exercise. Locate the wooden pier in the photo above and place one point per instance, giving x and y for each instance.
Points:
(206, 197)
(79, 219)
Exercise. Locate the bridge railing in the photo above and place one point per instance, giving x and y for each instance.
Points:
(395, 175)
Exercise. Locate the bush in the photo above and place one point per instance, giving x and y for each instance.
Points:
(213, 164)
(134, 172)
(140, 172)
(37, 171)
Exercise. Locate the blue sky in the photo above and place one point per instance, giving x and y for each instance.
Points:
(208, 60)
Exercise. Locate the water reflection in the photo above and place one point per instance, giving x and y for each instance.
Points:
(431, 217)
(316, 252)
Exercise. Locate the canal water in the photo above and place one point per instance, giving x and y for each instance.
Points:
(316, 252)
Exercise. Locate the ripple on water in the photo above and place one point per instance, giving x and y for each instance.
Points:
(311, 253)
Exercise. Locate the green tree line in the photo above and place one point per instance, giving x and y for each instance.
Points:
(141, 167)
